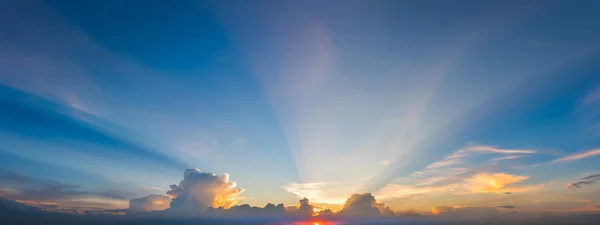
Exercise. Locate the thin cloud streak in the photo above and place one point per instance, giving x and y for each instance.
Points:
(569, 158)
(455, 158)
(585, 181)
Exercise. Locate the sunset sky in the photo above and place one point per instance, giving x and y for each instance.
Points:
(426, 106)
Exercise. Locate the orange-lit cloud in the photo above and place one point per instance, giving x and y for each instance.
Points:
(497, 183)
(478, 183)
(392, 191)
(198, 191)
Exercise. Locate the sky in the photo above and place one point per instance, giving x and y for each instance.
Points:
(428, 105)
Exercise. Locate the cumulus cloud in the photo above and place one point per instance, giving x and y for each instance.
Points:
(198, 191)
(305, 208)
(585, 181)
(153, 202)
(384, 210)
(364, 205)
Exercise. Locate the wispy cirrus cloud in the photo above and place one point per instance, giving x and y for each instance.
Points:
(497, 183)
(569, 158)
(316, 192)
(456, 157)
(474, 184)
(578, 156)
(585, 181)
(497, 159)
(592, 96)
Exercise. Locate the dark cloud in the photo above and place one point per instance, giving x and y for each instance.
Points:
(26, 188)
(198, 191)
(585, 181)
(466, 212)
(305, 208)
(506, 206)
(247, 210)
(364, 205)
(326, 212)
(153, 202)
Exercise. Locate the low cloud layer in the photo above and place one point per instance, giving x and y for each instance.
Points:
(585, 181)
(460, 212)
(25, 188)
(152, 202)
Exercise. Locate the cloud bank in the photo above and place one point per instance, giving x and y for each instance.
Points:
(152, 202)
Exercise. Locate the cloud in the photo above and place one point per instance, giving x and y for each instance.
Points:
(198, 191)
(477, 183)
(464, 212)
(456, 157)
(506, 206)
(592, 96)
(578, 156)
(392, 191)
(384, 210)
(20, 187)
(497, 183)
(569, 158)
(497, 159)
(314, 191)
(444, 163)
(245, 210)
(585, 181)
(305, 208)
(364, 205)
(153, 202)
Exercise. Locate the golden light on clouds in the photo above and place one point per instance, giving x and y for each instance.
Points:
(495, 182)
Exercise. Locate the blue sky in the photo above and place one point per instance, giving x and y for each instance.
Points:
(315, 99)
